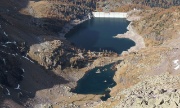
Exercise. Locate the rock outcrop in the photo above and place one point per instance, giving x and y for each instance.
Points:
(158, 26)
(127, 5)
(30, 23)
(156, 91)
(43, 53)
(150, 77)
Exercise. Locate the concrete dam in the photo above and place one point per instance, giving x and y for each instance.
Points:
(110, 14)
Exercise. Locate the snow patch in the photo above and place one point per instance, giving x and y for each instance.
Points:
(11, 42)
(8, 53)
(18, 87)
(5, 34)
(4, 61)
(8, 92)
(176, 64)
(28, 59)
(22, 70)
(4, 45)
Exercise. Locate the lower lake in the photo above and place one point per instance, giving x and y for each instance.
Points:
(97, 35)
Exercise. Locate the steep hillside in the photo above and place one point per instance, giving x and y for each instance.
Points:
(38, 67)
(159, 25)
(23, 24)
(150, 76)
(53, 15)
(32, 22)
(127, 5)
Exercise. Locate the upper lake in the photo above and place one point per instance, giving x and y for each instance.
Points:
(97, 34)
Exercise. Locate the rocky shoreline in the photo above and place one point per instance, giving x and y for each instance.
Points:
(147, 77)
(72, 24)
(101, 61)
(45, 52)
(133, 35)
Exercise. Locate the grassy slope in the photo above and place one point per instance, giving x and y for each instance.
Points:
(158, 25)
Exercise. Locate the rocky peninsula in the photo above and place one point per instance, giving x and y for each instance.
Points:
(132, 34)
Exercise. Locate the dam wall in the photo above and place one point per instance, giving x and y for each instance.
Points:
(110, 14)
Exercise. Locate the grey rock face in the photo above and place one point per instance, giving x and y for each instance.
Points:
(157, 91)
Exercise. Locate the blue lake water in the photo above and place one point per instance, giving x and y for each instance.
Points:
(97, 33)
(96, 82)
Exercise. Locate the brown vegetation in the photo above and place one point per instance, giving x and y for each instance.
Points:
(127, 5)
(158, 25)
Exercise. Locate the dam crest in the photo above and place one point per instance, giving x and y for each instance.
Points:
(109, 14)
